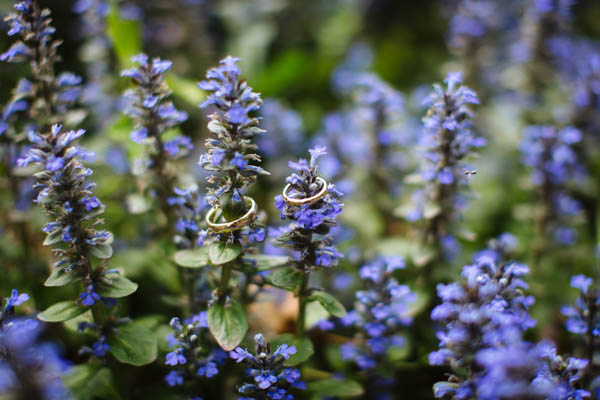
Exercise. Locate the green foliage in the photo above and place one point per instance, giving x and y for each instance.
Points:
(90, 381)
(265, 262)
(329, 303)
(220, 253)
(133, 344)
(61, 277)
(286, 278)
(63, 311)
(119, 286)
(125, 35)
(227, 323)
(340, 388)
(192, 258)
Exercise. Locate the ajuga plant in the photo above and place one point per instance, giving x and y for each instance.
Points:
(193, 355)
(381, 313)
(583, 319)
(312, 206)
(154, 115)
(46, 95)
(190, 207)
(82, 251)
(447, 139)
(475, 315)
(29, 369)
(551, 155)
(269, 379)
(232, 224)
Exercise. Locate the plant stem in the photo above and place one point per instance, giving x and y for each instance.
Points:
(225, 277)
(302, 294)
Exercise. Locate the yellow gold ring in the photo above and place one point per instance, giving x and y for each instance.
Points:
(244, 220)
(306, 200)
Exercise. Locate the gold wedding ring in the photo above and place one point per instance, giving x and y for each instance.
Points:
(305, 200)
(244, 220)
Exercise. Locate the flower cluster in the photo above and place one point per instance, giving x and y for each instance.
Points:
(190, 206)
(381, 313)
(28, 369)
(562, 375)
(484, 313)
(67, 196)
(271, 380)
(189, 353)
(231, 153)
(583, 318)
(46, 96)
(154, 115)
(316, 218)
(447, 139)
(551, 155)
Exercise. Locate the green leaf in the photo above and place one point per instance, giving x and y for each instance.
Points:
(87, 382)
(119, 287)
(53, 237)
(264, 262)
(193, 258)
(343, 388)
(124, 34)
(227, 323)
(330, 303)
(101, 250)
(221, 253)
(63, 311)
(287, 278)
(133, 344)
(304, 348)
(185, 89)
(61, 277)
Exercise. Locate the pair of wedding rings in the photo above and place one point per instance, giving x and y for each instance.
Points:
(250, 215)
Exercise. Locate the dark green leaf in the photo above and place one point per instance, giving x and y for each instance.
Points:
(119, 287)
(221, 253)
(87, 382)
(61, 277)
(264, 262)
(63, 311)
(287, 277)
(304, 348)
(343, 388)
(228, 324)
(193, 258)
(330, 303)
(133, 344)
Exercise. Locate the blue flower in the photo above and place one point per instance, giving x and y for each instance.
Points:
(234, 128)
(175, 357)
(285, 351)
(88, 297)
(100, 347)
(173, 378)
(16, 299)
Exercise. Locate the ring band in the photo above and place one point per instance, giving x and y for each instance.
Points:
(233, 225)
(306, 200)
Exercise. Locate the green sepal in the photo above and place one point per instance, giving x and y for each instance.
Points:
(227, 323)
(53, 237)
